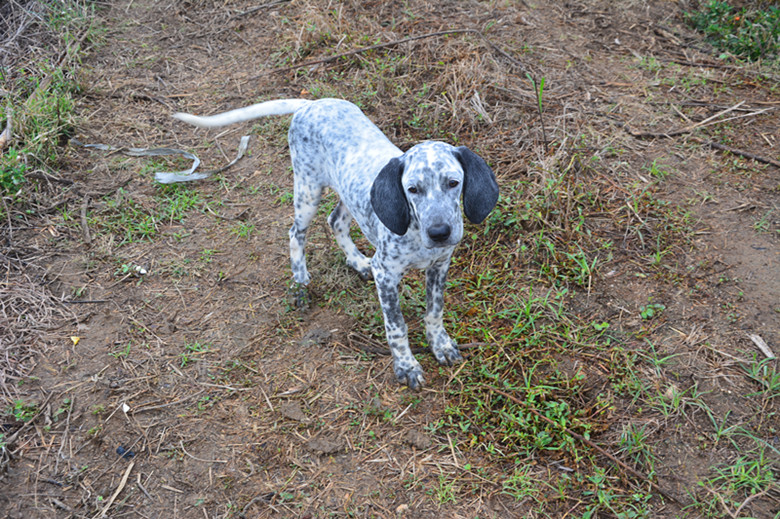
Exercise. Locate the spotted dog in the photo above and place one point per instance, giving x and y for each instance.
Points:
(406, 204)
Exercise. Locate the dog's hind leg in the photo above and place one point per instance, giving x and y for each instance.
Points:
(340, 220)
(306, 199)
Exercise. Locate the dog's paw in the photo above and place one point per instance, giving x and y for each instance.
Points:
(298, 297)
(366, 274)
(412, 376)
(301, 275)
(448, 355)
(362, 266)
(444, 349)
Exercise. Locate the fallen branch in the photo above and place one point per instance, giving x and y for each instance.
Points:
(586, 441)
(398, 42)
(707, 122)
(741, 153)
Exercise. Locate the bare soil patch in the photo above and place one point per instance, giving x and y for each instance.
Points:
(200, 390)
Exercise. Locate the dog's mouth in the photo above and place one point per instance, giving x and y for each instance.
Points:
(432, 244)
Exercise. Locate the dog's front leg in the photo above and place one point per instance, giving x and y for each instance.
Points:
(407, 370)
(444, 349)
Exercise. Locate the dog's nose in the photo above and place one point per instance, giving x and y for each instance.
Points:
(439, 232)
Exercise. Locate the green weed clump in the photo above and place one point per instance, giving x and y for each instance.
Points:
(749, 33)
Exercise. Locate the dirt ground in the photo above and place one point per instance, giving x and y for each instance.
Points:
(236, 403)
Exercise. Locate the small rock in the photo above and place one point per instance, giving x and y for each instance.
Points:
(316, 337)
(418, 439)
(293, 411)
(325, 445)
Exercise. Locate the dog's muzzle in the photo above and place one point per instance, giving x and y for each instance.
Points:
(439, 233)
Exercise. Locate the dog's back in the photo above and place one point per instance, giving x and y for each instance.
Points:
(332, 140)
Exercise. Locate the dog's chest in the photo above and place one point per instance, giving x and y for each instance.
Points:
(407, 252)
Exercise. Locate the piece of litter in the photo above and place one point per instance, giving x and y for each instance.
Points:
(125, 408)
(762, 345)
(124, 452)
(146, 152)
(75, 339)
(142, 271)
(170, 177)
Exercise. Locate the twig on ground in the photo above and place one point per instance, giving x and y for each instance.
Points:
(707, 122)
(181, 443)
(119, 489)
(258, 8)
(84, 224)
(701, 124)
(751, 498)
(143, 489)
(65, 432)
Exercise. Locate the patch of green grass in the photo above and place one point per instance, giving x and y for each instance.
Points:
(243, 230)
(651, 310)
(192, 352)
(633, 444)
(749, 32)
(446, 490)
(767, 223)
(658, 170)
(606, 499)
(23, 411)
(735, 483)
(122, 352)
(12, 169)
(39, 96)
(767, 376)
(650, 63)
(134, 219)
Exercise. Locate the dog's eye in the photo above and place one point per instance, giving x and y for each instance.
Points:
(412, 189)
(453, 183)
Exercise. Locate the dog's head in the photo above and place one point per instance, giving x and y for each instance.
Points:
(424, 185)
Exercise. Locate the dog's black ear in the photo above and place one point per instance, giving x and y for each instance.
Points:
(480, 189)
(388, 198)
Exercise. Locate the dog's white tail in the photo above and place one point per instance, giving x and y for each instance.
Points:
(239, 115)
